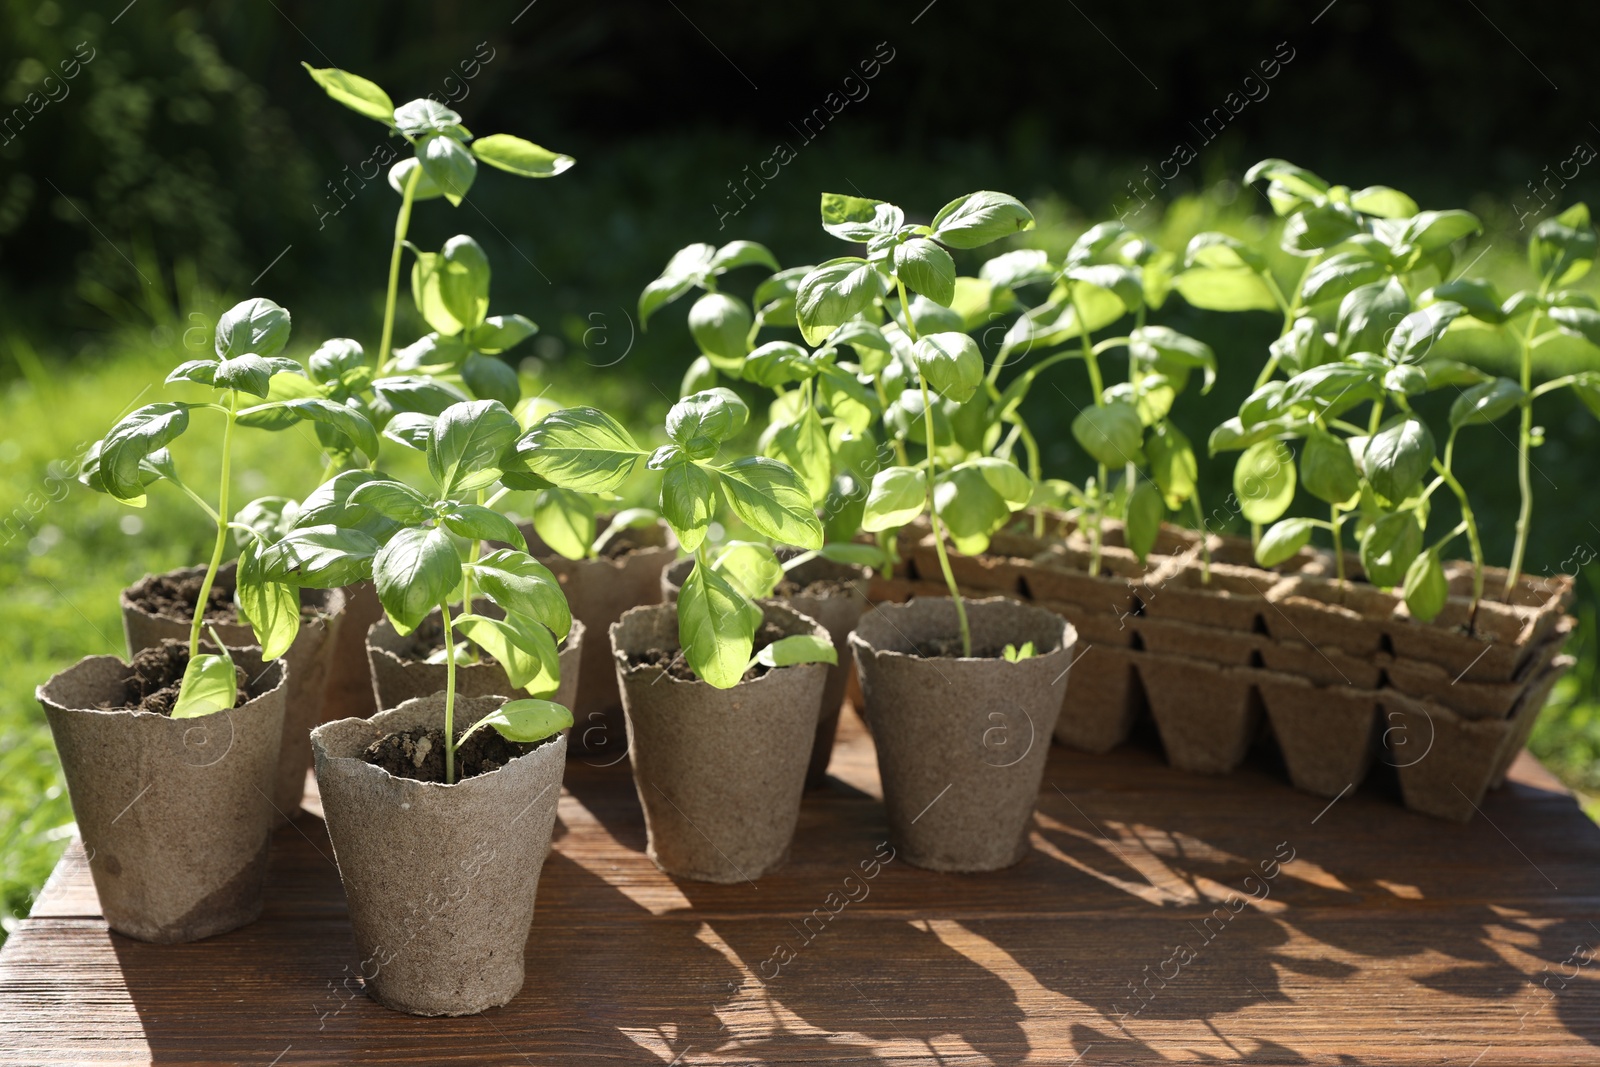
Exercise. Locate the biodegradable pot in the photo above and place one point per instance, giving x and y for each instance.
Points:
(1325, 665)
(1105, 698)
(1501, 640)
(175, 814)
(837, 613)
(348, 693)
(719, 772)
(309, 658)
(1232, 598)
(1477, 700)
(1326, 733)
(948, 730)
(983, 575)
(397, 678)
(1227, 648)
(440, 878)
(1207, 715)
(1526, 714)
(1353, 617)
(599, 591)
(1062, 573)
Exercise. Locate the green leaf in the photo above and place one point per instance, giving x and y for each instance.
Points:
(979, 218)
(1013, 654)
(700, 422)
(855, 218)
(1430, 231)
(1485, 402)
(329, 505)
(1282, 540)
(491, 379)
(1327, 469)
(583, 449)
(1337, 276)
(855, 553)
(772, 500)
(565, 521)
(462, 269)
(970, 507)
(1220, 251)
(1173, 466)
(1397, 457)
(335, 358)
(341, 417)
(687, 268)
(1168, 351)
(1587, 386)
(1264, 480)
(1414, 338)
(410, 428)
(199, 371)
(688, 502)
(927, 269)
(523, 586)
(1563, 248)
(1112, 433)
(832, 294)
(950, 363)
(803, 445)
(497, 333)
(721, 327)
(1012, 270)
(1384, 202)
(1426, 588)
(737, 254)
(449, 164)
(522, 158)
(414, 574)
(1146, 509)
(774, 298)
(527, 720)
(796, 649)
(1297, 181)
(1577, 321)
(1480, 298)
(1225, 289)
(481, 524)
(320, 557)
(467, 441)
(716, 627)
(752, 568)
(898, 495)
(524, 649)
(271, 608)
(140, 433)
(354, 92)
(1367, 314)
(422, 116)
(701, 375)
(210, 684)
(1388, 547)
(394, 500)
(1318, 227)
(409, 170)
(779, 363)
(418, 393)
(1123, 281)
(255, 327)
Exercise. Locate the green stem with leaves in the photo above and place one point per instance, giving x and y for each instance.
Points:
(1524, 460)
(449, 695)
(1097, 387)
(221, 515)
(402, 224)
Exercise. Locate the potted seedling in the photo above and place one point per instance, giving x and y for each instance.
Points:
(721, 694)
(440, 810)
(443, 162)
(211, 722)
(934, 671)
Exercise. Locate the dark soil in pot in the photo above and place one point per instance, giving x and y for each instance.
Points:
(599, 591)
(401, 671)
(175, 814)
(961, 741)
(160, 607)
(719, 772)
(441, 879)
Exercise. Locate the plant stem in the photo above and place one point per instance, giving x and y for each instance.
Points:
(402, 224)
(222, 528)
(1205, 537)
(449, 695)
(1097, 386)
(1471, 523)
(1338, 543)
(1524, 462)
(1035, 468)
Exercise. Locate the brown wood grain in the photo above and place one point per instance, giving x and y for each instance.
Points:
(1389, 938)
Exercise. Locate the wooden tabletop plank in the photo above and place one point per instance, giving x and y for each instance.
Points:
(1371, 935)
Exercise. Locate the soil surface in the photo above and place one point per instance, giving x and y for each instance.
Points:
(672, 661)
(950, 648)
(428, 638)
(419, 753)
(821, 589)
(156, 674)
(622, 546)
(173, 597)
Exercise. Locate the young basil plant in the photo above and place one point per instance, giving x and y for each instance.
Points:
(434, 556)
(587, 451)
(919, 351)
(1110, 273)
(134, 455)
(724, 326)
(445, 162)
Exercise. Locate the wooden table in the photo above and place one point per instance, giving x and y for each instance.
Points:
(1388, 938)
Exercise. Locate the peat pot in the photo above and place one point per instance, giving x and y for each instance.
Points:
(834, 594)
(310, 660)
(962, 741)
(719, 772)
(440, 878)
(175, 814)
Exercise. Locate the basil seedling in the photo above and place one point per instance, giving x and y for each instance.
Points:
(587, 451)
(134, 455)
(420, 566)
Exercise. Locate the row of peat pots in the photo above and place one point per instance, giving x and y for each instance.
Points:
(1222, 654)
